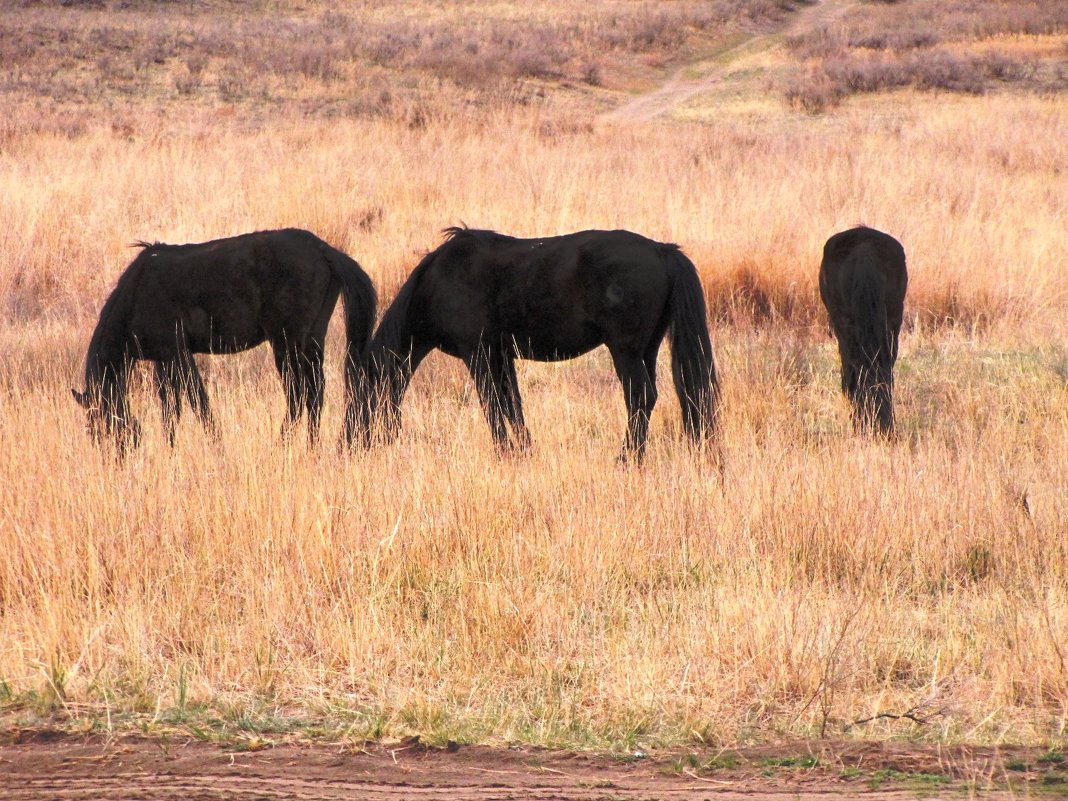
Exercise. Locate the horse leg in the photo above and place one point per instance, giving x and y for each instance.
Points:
(649, 359)
(490, 392)
(287, 360)
(196, 393)
(512, 403)
(168, 385)
(857, 384)
(640, 395)
(311, 363)
(868, 399)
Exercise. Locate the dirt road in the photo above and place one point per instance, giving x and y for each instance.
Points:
(58, 767)
(702, 76)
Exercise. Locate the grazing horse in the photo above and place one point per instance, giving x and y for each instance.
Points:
(226, 296)
(488, 299)
(862, 284)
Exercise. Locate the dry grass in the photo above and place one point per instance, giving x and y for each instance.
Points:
(965, 46)
(370, 59)
(751, 205)
(819, 580)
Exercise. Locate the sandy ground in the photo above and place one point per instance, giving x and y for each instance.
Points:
(44, 765)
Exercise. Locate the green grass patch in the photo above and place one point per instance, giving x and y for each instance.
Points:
(914, 780)
(692, 763)
(1055, 758)
(790, 762)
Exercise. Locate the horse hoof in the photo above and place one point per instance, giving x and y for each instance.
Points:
(513, 450)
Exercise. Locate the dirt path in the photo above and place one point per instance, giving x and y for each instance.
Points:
(702, 76)
(69, 769)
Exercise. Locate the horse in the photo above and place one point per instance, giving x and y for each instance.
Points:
(488, 299)
(862, 283)
(222, 297)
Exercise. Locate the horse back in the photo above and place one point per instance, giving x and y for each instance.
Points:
(230, 294)
(555, 297)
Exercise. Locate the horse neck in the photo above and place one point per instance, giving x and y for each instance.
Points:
(107, 381)
(107, 365)
(107, 362)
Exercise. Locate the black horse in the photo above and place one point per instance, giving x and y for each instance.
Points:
(488, 299)
(862, 284)
(226, 296)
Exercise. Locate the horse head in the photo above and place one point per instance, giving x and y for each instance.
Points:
(385, 386)
(106, 419)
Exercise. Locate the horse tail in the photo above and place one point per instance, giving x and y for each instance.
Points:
(361, 304)
(868, 304)
(692, 364)
(875, 347)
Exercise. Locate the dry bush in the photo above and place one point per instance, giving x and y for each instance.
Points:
(934, 70)
(910, 24)
(236, 53)
(813, 92)
(918, 44)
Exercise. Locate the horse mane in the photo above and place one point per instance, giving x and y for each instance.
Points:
(394, 321)
(157, 246)
(484, 235)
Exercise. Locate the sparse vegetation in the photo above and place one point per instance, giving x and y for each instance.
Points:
(256, 588)
(375, 59)
(916, 780)
(967, 47)
(807, 761)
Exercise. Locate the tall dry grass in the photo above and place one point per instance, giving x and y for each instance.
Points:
(429, 587)
(976, 201)
(818, 580)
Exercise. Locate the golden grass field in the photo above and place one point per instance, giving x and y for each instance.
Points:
(819, 584)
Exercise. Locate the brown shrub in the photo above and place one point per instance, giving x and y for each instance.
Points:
(923, 23)
(888, 45)
(819, 43)
(929, 70)
(187, 83)
(750, 294)
(813, 92)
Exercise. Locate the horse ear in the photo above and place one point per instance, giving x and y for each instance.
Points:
(82, 398)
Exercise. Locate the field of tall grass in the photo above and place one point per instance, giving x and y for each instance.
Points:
(811, 583)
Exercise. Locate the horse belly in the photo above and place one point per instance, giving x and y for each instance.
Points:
(555, 345)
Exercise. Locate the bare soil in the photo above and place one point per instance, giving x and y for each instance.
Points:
(45, 765)
(699, 77)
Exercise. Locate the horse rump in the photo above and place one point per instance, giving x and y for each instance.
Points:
(862, 283)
